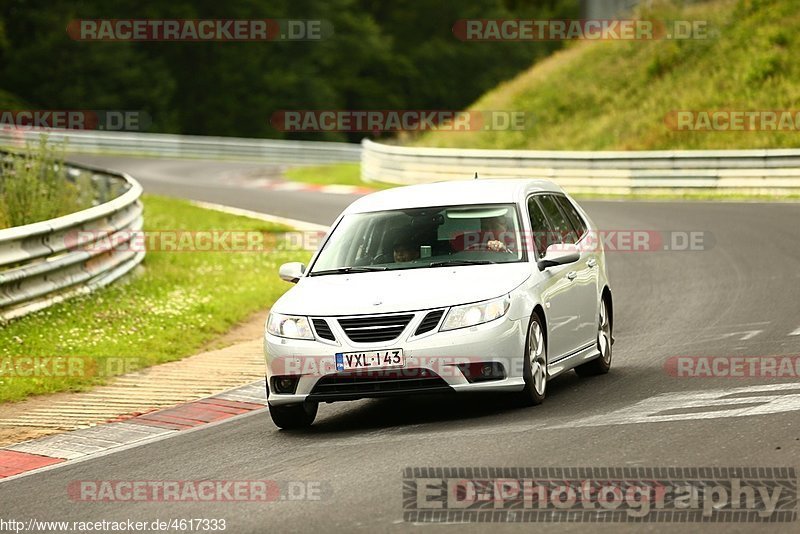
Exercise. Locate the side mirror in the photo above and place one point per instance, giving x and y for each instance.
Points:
(291, 272)
(559, 254)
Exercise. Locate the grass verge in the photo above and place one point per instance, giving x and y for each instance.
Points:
(176, 304)
(333, 174)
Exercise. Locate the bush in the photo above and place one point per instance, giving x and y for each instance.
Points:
(35, 186)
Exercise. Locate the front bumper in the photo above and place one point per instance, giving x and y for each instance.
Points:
(430, 355)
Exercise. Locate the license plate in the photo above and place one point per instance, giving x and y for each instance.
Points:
(346, 361)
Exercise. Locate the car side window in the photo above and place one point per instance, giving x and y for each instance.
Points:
(563, 232)
(539, 227)
(572, 214)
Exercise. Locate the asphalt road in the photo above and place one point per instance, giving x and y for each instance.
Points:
(740, 297)
(224, 182)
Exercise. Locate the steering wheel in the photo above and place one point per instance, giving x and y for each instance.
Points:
(478, 247)
(484, 247)
(382, 258)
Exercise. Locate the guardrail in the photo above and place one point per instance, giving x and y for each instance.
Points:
(46, 262)
(190, 146)
(729, 171)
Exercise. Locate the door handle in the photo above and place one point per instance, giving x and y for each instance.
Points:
(592, 262)
(572, 275)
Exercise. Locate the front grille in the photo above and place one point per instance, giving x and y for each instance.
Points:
(378, 383)
(375, 328)
(429, 322)
(323, 330)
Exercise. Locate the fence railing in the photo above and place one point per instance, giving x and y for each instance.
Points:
(191, 146)
(768, 171)
(49, 261)
(730, 171)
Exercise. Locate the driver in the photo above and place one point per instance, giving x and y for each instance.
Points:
(496, 234)
(493, 236)
(404, 250)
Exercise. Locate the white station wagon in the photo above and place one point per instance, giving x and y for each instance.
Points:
(480, 285)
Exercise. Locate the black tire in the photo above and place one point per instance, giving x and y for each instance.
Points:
(292, 416)
(602, 364)
(535, 386)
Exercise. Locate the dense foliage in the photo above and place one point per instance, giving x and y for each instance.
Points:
(398, 54)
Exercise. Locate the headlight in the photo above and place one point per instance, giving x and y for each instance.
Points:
(472, 314)
(289, 326)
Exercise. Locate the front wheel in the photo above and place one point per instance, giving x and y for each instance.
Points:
(602, 364)
(535, 365)
(291, 416)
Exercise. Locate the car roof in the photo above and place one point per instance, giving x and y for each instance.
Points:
(451, 193)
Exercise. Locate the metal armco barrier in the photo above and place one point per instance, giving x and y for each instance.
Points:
(46, 262)
(730, 171)
(190, 146)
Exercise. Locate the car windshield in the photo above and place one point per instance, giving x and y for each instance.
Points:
(422, 238)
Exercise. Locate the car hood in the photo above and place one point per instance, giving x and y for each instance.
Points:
(401, 290)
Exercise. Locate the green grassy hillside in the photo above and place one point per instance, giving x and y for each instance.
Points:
(616, 95)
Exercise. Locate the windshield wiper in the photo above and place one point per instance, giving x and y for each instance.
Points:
(345, 270)
(448, 263)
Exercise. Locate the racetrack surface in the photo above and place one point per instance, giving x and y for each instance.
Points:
(740, 297)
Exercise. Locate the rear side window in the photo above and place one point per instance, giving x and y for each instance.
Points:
(572, 214)
(539, 226)
(562, 229)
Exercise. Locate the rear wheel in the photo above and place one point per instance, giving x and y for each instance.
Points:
(601, 365)
(291, 416)
(535, 365)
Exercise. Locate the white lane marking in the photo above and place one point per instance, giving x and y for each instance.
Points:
(742, 336)
(289, 186)
(341, 189)
(712, 328)
(275, 184)
(736, 402)
(796, 332)
(753, 400)
(294, 223)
